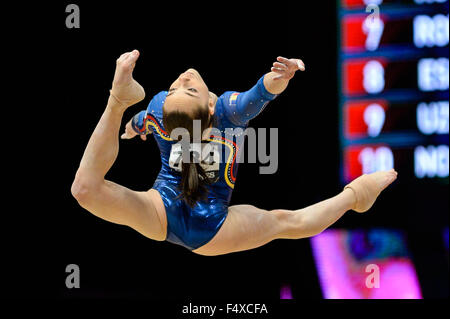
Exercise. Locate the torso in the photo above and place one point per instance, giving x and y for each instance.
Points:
(227, 146)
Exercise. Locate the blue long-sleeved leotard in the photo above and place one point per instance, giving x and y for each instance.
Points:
(194, 227)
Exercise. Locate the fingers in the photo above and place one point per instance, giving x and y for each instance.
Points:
(283, 60)
(283, 69)
(278, 70)
(300, 64)
(127, 134)
(292, 62)
(280, 66)
(286, 68)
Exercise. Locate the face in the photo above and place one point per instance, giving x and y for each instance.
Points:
(187, 92)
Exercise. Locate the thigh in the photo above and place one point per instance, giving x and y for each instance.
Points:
(142, 211)
(246, 227)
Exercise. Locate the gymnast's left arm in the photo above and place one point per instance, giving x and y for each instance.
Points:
(281, 73)
(247, 105)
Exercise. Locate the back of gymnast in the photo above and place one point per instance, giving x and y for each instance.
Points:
(187, 206)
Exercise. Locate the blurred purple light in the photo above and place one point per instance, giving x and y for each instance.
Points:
(285, 292)
(343, 276)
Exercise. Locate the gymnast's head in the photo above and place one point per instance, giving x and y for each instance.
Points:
(189, 99)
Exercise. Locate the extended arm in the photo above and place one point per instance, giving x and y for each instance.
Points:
(242, 107)
(277, 80)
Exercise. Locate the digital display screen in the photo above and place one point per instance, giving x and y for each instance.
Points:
(423, 161)
(376, 76)
(365, 264)
(384, 118)
(409, 30)
(394, 82)
(362, 3)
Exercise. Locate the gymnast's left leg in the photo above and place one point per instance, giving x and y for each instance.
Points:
(247, 227)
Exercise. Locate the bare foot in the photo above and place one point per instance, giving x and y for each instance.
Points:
(368, 186)
(125, 89)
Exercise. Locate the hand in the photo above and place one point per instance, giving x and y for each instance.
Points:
(125, 89)
(130, 133)
(286, 68)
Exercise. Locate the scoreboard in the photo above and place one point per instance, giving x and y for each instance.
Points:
(393, 66)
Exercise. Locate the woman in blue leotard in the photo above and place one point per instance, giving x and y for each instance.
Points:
(189, 201)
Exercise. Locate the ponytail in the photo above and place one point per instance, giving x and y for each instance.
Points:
(193, 182)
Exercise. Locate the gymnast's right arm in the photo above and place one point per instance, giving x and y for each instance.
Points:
(137, 126)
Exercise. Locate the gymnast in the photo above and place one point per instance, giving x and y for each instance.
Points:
(188, 204)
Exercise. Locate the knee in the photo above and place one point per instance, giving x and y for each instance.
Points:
(293, 225)
(288, 223)
(83, 188)
(283, 216)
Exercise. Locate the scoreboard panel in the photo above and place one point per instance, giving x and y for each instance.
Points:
(394, 87)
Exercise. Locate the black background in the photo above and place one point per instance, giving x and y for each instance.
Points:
(63, 89)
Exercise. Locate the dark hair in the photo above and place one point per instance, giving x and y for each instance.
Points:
(193, 177)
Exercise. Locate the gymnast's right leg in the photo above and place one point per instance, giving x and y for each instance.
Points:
(142, 211)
